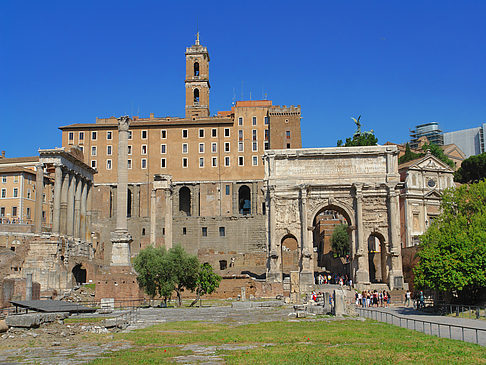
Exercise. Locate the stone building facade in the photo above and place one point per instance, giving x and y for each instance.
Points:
(360, 183)
(195, 181)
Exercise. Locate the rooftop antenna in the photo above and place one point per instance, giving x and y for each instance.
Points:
(250, 95)
(234, 96)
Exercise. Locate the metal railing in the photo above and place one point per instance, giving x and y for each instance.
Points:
(462, 310)
(444, 330)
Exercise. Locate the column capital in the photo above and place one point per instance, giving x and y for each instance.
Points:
(124, 123)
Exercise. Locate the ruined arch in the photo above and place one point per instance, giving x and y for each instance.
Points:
(290, 254)
(79, 274)
(377, 257)
(185, 201)
(244, 200)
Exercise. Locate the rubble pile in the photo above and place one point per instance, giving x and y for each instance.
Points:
(77, 294)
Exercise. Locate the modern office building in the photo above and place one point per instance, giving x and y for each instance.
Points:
(430, 130)
(470, 141)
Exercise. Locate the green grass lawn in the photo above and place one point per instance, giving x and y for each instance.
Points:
(305, 342)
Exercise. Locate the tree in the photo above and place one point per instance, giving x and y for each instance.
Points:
(452, 252)
(207, 282)
(153, 276)
(340, 240)
(473, 169)
(183, 270)
(161, 272)
(409, 155)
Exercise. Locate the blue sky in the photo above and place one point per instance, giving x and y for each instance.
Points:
(396, 63)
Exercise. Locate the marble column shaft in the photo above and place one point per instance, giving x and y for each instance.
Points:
(70, 206)
(39, 191)
(64, 203)
(362, 274)
(77, 206)
(82, 217)
(168, 219)
(122, 181)
(57, 200)
(153, 216)
(88, 212)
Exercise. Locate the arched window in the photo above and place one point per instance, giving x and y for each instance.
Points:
(79, 274)
(185, 201)
(196, 96)
(244, 200)
(196, 68)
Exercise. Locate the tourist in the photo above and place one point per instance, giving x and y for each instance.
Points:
(421, 300)
(407, 298)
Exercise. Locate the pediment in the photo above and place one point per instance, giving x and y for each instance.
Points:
(432, 194)
(430, 162)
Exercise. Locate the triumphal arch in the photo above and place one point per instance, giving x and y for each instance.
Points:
(360, 183)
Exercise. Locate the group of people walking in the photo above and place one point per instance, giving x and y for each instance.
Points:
(374, 298)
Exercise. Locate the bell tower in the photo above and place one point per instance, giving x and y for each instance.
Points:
(197, 80)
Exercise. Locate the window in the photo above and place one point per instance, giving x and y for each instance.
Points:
(266, 120)
(4, 193)
(267, 146)
(4, 179)
(240, 146)
(93, 164)
(286, 120)
(163, 148)
(129, 164)
(81, 136)
(108, 150)
(15, 192)
(196, 68)
(16, 179)
(214, 147)
(240, 135)
(129, 150)
(201, 147)
(196, 96)
(108, 164)
(81, 148)
(254, 146)
(201, 133)
(201, 162)
(287, 134)
(184, 133)
(214, 161)
(163, 163)
(254, 135)
(288, 145)
(2, 212)
(130, 135)
(14, 211)
(184, 148)
(226, 146)
(227, 190)
(227, 161)
(93, 151)
(184, 230)
(71, 137)
(144, 163)
(144, 134)
(109, 135)
(253, 121)
(240, 121)
(214, 132)
(144, 149)
(226, 132)
(94, 135)
(241, 161)
(222, 232)
(184, 162)
(163, 134)
(28, 213)
(204, 231)
(267, 134)
(254, 160)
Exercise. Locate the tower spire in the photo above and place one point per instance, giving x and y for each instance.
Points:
(197, 39)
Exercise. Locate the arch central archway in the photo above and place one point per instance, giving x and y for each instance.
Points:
(79, 274)
(377, 258)
(326, 221)
(244, 200)
(290, 254)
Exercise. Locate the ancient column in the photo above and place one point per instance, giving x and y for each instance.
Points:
(57, 199)
(168, 218)
(82, 217)
(70, 206)
(307, 268)
(362, 274)
(39, 191)
(77, 206)
(274, 265)
(396, 272)
(64, 203)
(153, 215)
(88, 212)
(120, 238)
(28, 287)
